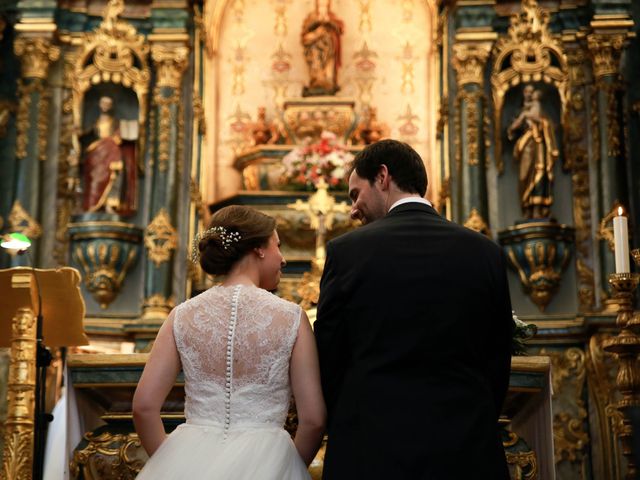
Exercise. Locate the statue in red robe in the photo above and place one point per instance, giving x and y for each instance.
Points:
(109, 165)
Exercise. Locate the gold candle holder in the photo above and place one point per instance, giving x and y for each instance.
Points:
(627, 347)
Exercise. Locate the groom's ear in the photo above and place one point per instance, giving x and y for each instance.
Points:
(383, 177)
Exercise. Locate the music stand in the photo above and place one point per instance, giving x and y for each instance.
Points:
(58, 320)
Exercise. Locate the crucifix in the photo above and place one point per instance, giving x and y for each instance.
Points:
(321, 209)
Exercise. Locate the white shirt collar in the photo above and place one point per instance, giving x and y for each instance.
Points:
(410, 200)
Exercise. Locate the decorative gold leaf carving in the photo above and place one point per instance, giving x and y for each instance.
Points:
(469, 60)
(160, 238)
(114, 455)
(570, 435)
(477, 223)
(21, 221)
(606, 50)
(170, 62)
(604, 231)
(36, 54)
(18, 436)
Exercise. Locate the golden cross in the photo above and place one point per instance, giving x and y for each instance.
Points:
(321, 209)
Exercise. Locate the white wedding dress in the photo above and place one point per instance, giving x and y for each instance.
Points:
(235, 345)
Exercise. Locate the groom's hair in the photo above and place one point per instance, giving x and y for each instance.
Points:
(403, 162)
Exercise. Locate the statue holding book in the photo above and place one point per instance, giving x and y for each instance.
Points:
(109, 163)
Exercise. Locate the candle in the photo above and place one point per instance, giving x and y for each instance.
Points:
(621, 241)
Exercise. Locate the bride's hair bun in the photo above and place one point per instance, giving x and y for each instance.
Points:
(233, 232)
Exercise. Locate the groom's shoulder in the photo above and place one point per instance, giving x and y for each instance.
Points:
(361, 234)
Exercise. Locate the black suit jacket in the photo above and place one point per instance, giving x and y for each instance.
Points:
(414, 330)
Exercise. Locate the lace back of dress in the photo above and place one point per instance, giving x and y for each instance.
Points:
(235, 345)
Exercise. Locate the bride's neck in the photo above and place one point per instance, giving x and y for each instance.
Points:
(243, 272)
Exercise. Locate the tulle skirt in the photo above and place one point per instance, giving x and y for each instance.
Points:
(197, 452)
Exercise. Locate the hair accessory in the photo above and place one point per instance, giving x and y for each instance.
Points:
(226, 238)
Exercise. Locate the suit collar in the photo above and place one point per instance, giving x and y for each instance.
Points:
(412, 206)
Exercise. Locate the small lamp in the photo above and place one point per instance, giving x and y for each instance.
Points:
(15, 241)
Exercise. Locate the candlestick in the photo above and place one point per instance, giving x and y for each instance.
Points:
(626, 345)
(621, 242)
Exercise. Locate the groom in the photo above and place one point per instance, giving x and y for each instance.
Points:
(413, 331)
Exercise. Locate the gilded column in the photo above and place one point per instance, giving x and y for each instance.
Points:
(19, 427)
(36, 55)
(606, 45)
(161, 239)
(470, 55)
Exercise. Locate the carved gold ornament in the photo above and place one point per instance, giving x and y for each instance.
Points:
(606, 419)
(568, 377)
(525, 465)
(310, 117)
(528, 53)
(170, 62)
(108, 456)
(469, 60)
(36, 54)
(21, 221)
(606, 51)
(604, 231)
(164, 128)
(470, 102)
(104, 269)
(477, 223)
(113, 53)
(195, 195)
(160, 238)
(26, 90)
(19, 428)
(157, 307)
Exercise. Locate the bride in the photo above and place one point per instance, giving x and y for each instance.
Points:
(243, 352)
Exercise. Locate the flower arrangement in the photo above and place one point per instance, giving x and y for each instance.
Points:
(303, 167)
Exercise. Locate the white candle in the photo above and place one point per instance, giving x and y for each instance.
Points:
(621, 242)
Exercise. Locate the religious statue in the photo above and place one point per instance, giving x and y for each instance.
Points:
(109, 163)
(370, 130)
(263, 131)
(321, 33)
(537, 152)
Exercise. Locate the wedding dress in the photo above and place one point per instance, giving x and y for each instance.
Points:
(235, 345)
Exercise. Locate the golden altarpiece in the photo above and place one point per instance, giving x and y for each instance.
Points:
(125, 124)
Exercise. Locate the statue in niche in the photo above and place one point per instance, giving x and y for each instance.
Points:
(321, 33)
(109, 163)
(536, 152)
